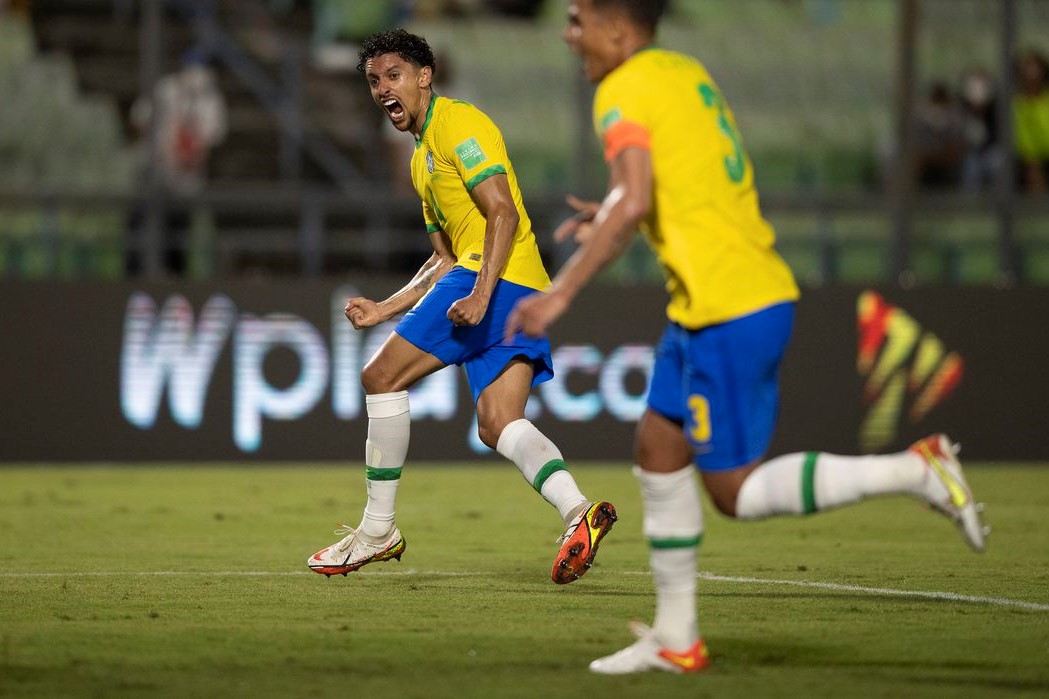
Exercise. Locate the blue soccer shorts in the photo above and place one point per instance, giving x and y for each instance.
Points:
(721, 384)
(479, 349)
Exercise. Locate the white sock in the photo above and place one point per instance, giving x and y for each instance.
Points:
(809, 482)
(541, 464)
(673, 525)
(389, 425)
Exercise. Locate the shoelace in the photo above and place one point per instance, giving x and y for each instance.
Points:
(347, 532)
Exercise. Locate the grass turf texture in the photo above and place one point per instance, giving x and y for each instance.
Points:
(470, 610)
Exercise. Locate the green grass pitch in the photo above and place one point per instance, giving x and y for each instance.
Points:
(191, 581)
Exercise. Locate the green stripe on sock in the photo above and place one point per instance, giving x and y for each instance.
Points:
(808, 484)
(382, 474)
(546, 471)
(688, 542)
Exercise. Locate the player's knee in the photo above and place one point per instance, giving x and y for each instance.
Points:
(489, 437)
(724, 486)
(489, 429)
(642, 454)
(375, 378)
(725, 502)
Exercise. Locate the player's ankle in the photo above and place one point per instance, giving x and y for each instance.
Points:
(575, 512)
(375, 532)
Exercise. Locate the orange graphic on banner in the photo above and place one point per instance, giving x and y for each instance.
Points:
(897, 358)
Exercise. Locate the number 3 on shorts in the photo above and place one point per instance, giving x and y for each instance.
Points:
(700, 409)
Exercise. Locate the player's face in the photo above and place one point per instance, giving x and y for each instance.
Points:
(401, 89)
(589, 36)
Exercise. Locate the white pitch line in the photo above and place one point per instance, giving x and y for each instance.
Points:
(814, 584)
(881, 591)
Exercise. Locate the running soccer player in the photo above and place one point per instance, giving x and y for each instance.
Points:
(485, 258)
(678, 170)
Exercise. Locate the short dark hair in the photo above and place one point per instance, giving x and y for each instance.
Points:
(644, 13)
(410, 47)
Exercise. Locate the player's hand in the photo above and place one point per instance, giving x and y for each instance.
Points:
(363, 313)
(468, 310)
(577, 226)
(534, 314)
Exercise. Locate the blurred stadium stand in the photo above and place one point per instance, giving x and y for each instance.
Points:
(301, 185)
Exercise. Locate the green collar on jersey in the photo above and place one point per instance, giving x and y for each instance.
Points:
(429, 115)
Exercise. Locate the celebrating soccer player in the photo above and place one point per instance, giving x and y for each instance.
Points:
(485, 258)
(679, 172)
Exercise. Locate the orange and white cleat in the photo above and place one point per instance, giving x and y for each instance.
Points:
(580, 540)
(648, 654)
(352, 552)
(947, 490)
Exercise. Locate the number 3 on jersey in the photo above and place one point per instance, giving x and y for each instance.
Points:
(735, 164)
(700, 409)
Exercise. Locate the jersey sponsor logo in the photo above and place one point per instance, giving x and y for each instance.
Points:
(897, 357)
(429, 161)
(609, 118)
(470, 153)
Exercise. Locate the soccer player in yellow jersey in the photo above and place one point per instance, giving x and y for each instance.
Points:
(485, 258)
(678, 170)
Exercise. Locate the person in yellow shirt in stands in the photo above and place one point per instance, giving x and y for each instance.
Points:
(1031, 122)
(485, 258)
(678, 170)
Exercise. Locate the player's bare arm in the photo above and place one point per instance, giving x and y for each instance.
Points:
(365, 313)
(495, 202)
(628, 202)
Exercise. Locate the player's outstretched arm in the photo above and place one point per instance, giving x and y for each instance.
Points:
(365, 313)
(628, 202)
(495, 202)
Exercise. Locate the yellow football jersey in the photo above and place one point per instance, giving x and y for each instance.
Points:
(460, 147)
(705, 225)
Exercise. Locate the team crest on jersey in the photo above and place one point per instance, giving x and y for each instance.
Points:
(429, 161)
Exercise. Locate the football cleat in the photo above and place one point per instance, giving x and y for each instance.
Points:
(352, 552)
(949, 493)
(647, 654)
(580, 540)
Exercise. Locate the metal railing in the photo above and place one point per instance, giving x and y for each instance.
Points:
(322, 231)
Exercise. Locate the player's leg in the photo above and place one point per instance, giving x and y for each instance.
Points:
(501, 375)
(673, 526)
(809, 482)
(396, 366)
(422, 343)
(502, 425)
(734, 384)
(386, 378)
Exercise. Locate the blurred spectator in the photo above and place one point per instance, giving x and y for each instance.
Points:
(980, 117)
(1031, 121)
(189, 114)
(939, 139)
